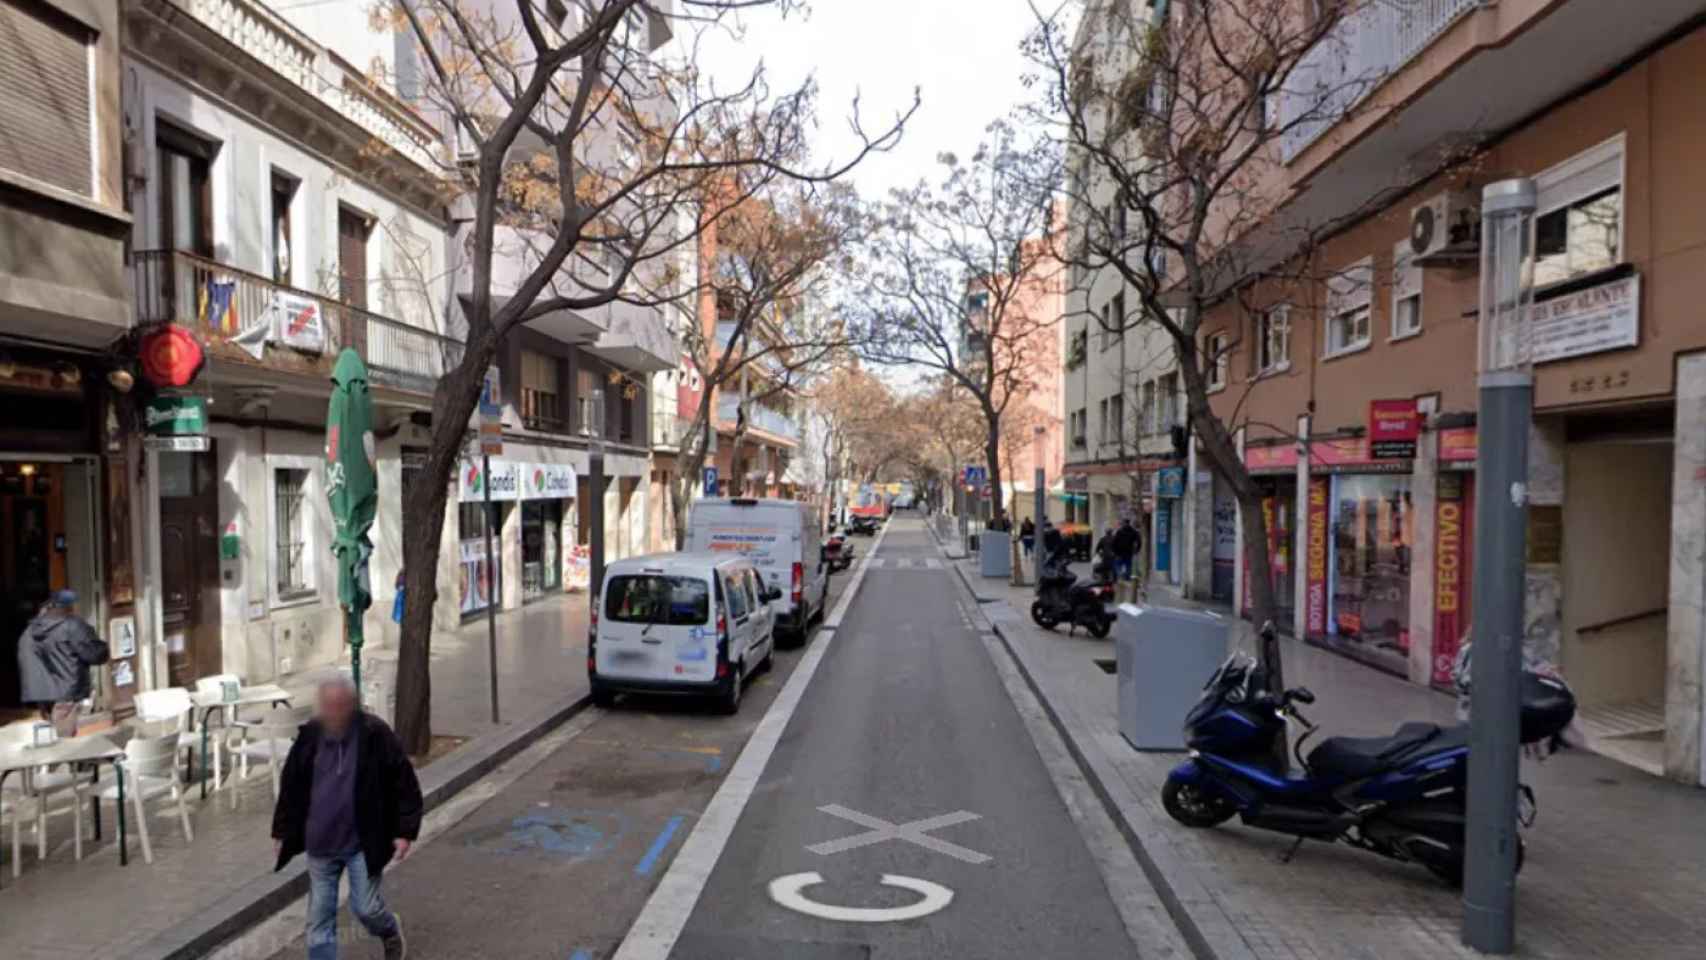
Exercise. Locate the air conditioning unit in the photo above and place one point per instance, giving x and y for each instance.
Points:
(1446, 227)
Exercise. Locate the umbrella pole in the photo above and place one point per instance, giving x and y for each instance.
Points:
(355, 640)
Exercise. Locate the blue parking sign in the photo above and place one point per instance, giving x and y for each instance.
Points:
(710, 481)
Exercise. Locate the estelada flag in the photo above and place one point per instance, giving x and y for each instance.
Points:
(217, 305)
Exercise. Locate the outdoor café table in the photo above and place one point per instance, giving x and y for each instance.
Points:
(74, 751)
(246, 696)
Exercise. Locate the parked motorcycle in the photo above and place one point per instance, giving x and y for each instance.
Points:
(1061, 598)
(864, 526)
(1401, 796)
(838, 551)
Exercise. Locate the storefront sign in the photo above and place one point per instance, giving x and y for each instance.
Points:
(1170, 482)
(176, 444)
(1342, 455)
(298, 322)
(1393, 426)
(1164, 534)
(491, 415)
(175, 416)
(1457, 447)
(170, 356)
(505, 481)
(550, 481)
(1076, 482)
(1315, 611)
(1599, 318)
(1451, 581)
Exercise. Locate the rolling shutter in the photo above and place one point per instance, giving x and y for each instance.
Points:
(44, 115)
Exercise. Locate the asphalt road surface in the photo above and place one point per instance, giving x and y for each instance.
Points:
(906, 720)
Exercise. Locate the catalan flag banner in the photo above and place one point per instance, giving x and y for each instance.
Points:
(217, 305)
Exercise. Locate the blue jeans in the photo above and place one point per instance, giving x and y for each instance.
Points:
(365, 903)
(1122, 568)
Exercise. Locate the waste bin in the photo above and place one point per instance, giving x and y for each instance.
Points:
(995, 553)
(1163, 657)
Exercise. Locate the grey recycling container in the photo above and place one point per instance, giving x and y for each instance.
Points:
(995, 554)
(1164, 656)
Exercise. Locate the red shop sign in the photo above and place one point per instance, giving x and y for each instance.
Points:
(1315, 599)
(1393, 426)
(171, 357)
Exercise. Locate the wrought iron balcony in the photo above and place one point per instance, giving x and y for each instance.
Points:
(247, 319)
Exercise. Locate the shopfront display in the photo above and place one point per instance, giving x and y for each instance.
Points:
(1372, 525)
(480, 582)
(541, 548)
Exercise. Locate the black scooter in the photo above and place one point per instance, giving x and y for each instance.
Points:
(1062, 599)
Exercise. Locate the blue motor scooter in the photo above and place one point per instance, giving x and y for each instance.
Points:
(1401, 796)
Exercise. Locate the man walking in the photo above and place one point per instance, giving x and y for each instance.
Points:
(1126, 543)
(349, 799)
(54, 656)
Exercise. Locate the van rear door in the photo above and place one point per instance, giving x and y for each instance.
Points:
(764, 533)
(657, 627)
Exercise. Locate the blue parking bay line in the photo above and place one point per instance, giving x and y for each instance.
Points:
(581, 954)
(658, 846)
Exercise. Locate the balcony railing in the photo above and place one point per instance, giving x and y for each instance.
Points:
(669, 429)
(246, 318)
(759, 417)
(1370, 44)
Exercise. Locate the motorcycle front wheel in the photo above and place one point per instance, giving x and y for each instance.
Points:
(1040, 616)
(1194, 807)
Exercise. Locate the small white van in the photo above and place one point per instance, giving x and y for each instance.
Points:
(694, 623)
(782, 538)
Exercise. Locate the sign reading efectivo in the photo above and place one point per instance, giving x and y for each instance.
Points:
(1602, 317)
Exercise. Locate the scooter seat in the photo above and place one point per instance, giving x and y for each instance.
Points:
(1357, 757)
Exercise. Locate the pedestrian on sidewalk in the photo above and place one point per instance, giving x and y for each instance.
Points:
(1027, 536)
(1126, 543)
(54, 656)
(348, 798)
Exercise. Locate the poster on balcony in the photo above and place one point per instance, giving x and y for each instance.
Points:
(298, 322)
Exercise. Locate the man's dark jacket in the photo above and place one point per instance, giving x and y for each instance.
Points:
(387, 795)
(1126, 541)
(54, 657)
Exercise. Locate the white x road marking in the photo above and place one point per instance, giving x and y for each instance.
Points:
(879, 830)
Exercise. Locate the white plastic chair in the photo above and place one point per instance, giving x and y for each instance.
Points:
(40, 785)
(219, 744)
(151, 770)
(166, 711)
(269, 739)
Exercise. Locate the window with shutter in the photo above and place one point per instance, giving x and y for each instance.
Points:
(352, 258)
(44, 70)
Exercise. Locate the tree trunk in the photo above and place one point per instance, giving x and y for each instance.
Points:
(458, 394)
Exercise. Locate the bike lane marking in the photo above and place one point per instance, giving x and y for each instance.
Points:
(879, 830)
(665, 915)
(789, 891)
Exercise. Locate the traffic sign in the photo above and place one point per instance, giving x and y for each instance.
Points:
(710, 481)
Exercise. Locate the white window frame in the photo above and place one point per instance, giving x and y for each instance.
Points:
(1214, 346)
(311, 545)
(1265, 326)
(1350, 291)
(1594, 170)
(1406, 285)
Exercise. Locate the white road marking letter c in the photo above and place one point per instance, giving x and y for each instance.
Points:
(789, 891)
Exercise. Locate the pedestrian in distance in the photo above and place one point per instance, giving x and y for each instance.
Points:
(1126, 543)
(54, 656)
(1027, 536)
(348, 798)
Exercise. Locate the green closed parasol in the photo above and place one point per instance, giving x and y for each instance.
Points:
(352, 486)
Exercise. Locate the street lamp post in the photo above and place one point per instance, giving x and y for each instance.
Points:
(1506, 408)
(592, 427)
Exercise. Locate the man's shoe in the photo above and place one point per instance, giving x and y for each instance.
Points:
(396, 948)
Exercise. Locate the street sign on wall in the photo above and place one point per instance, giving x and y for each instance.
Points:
(710, 484)
(491, 415)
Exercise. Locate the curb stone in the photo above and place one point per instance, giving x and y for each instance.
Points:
(260, 898)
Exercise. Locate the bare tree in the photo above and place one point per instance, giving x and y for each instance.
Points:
(959, 274)
(573, 144)
(1175, 163)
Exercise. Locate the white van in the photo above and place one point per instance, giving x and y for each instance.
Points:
(782, 538)
(695, 623)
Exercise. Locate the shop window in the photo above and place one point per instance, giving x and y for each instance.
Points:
(1273, 340)
(1349, 306)
(291, 568)
(541, 398)
(1373, 523)
(1406, 292)
(1215, 359)
(1578, 227)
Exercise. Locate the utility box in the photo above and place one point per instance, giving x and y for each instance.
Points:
(1163, 657)
(995, 557)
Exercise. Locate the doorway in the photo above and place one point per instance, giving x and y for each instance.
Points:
(47, 529)
(189, 566)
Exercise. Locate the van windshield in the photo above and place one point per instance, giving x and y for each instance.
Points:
(653, 598)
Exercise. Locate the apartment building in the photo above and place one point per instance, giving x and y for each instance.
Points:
(1122, 396)
(64, 323)
(1598, 103)
(283, 207)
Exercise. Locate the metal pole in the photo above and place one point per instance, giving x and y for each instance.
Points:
(492, 586)
(1037, 523)
(595, 459)
(1506, 405)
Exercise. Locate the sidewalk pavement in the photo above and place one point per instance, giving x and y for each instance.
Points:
(1616, 862)
(94, 908)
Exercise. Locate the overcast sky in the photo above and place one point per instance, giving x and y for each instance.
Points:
(962, 56)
